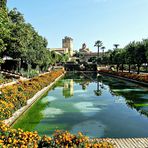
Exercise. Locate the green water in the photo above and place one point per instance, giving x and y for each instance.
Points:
(98, 106)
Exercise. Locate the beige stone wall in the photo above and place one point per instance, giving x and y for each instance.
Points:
(60, 50)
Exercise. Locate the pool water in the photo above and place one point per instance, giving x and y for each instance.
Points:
(96, 105)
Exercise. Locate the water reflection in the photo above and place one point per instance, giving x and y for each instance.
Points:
(84, 84)
(84, 79)
(95, 104)
(100, 85)
(134, 95)
(98, 92)
(68, 88)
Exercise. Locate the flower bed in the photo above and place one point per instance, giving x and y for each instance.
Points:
(18, 138)
(133, 76)
(15, 96)
(4, 80)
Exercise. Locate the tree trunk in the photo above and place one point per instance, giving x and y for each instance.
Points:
(117, 67)
(20, 64)
(129, 70)
(122, 67)
(138, 69)
(98, 86)
(98, 56)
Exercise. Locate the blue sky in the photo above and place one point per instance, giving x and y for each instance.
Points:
(111, 21)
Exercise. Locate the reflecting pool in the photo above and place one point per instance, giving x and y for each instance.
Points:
(97, 105)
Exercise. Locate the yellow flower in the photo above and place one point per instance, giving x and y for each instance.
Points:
(1, 142)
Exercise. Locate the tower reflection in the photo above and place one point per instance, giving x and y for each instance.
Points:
(68, 89)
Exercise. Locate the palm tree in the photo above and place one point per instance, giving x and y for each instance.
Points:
(98, 92)
(116, 45)
(98, 44)
(103, 48)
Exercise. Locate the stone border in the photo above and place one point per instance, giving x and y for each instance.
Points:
(20, 79)
(13, 82)
(123, 78)
(6, 84)
(30, 102)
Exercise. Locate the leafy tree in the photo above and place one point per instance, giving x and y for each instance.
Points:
(145, 42)
(3, 4)
(130, 54)
(135, 54)
(107, 59)
(64, 58)
(92, 59)
(16, 17)
(17, 43)
(4, 28)
(122, 53)
(19, 39)
(116, 57)
(140, 56)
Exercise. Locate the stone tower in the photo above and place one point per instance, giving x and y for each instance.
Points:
(67, 42)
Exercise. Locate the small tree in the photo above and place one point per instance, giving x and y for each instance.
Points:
(130, 54)
(145, 42)
(140, 56)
